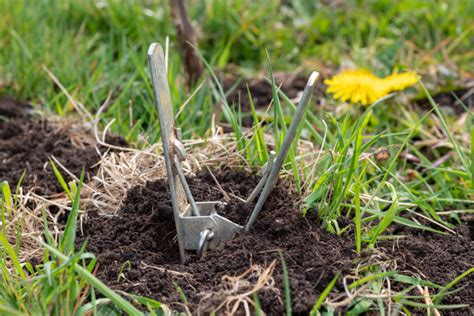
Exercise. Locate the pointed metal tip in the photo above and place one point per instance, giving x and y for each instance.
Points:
(312, 78)
(152, 48)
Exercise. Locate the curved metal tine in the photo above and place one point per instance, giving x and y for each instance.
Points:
(289, 137)
(187, 191)
(167, 130)
(268, 168)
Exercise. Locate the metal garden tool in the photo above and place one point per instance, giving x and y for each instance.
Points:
(198, 225)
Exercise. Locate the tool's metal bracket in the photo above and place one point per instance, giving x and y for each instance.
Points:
(222, 228)
(198, 225)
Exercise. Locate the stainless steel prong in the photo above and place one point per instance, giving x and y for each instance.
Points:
(289, 137)
(168, 134)
(268, 168)
(187, 190)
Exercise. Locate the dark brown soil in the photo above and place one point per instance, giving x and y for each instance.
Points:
(437, 258)
(292, 84)
(144, 235)
(27, 143)
(140, 242)
(448, 100)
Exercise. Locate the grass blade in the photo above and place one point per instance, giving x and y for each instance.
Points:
(257, 305)
(385, 222)
(7, 195)
(99, 285)
(61, 180)
(438, 297)
(323, 295)
(371, 277)
(445, 127)
(286, 285)
(13, 257)
(262, 153)
(67, 239)
(357, 217)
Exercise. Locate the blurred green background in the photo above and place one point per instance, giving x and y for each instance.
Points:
(99, 47)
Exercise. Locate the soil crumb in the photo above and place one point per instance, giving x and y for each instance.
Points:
(141, 242)
(27, 144)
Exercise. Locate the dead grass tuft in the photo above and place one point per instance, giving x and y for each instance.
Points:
(236, 293)
(121, 170)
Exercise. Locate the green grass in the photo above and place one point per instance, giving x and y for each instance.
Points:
(62, 284)
(98, 49)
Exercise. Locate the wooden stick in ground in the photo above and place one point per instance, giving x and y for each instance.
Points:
(187, 37)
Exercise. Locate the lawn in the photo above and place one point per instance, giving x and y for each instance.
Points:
(374, 208)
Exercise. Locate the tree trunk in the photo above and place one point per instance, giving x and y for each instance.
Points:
(187, 37)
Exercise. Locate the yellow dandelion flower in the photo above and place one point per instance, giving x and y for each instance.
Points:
(356, 86)
(398, 82)
(362, 86)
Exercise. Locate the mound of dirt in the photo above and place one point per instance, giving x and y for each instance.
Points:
(137, 251)
(26, 145)
(141, 242)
